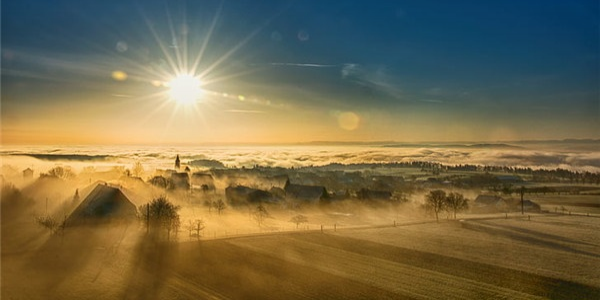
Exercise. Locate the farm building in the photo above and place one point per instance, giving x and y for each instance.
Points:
(489, 204)
(240, 194)
(28, 173)
(202, 181)
(180, 180)
(528, 205)
(104, 203)
(308, 193)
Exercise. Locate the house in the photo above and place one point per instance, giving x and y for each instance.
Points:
(159, 181)
(308, 193)
(202, 181)
(240, 194)
(528, 205)
(105, 203)
(489, 204)
(28, 173)
(180, 180)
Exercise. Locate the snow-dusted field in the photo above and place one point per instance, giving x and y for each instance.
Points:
(549, 256)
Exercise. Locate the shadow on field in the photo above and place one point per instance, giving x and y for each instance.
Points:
(61, 257)
(151, 263)
(495, 275)
(527, 236)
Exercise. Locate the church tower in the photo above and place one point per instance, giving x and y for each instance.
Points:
(177, 163)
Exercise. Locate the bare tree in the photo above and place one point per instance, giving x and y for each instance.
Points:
(210, 204)
(160, 214)
(220, 206)
(456, 202)
(435, 201)
(61, 172)
(137, 169)
(299, 219)
(260, 214)
(197, 226)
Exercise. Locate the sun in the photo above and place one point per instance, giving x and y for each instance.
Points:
(185, 89)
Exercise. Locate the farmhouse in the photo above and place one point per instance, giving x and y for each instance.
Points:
(308, 193)
(489, 204)
(202, 181)
(240, 194)
(180, 180)
(528, 205)
(28, 173)
(105, 203)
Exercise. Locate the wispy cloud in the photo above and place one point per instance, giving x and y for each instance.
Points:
(245, 111)
(307, 65)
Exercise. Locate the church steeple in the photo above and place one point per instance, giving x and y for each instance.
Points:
(177, 163)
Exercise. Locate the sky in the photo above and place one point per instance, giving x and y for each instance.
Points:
(104, 72)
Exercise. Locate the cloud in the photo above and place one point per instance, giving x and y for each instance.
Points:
(245, 111)
(308, 65)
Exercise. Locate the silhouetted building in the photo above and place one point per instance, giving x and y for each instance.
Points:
(177, 163)
(180, 181)
(489, 204)
(308, 193)
(240, 194)
(159, 181)
(203, 181)
(103, 204)
(28, 173)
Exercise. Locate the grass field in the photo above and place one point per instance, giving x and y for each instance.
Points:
(549, 256)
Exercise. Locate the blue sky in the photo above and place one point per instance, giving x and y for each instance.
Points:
(295, 71)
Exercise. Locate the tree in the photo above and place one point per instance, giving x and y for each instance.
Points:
(161, 214)
(260, 214)
(435, 201)
(298, 219)
(62, 173)
(220, 206)
(456, 202)
(137, 170)
(210, 204)
(195, 225)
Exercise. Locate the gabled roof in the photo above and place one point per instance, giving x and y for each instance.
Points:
(102, 204)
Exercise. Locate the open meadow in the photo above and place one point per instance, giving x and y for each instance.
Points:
(547, 256)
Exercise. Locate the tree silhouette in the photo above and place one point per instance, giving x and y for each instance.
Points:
(197, 226)
(220, 206)
(260, 214)
(436, 201)
(456, 202)
(62, 173)
(160, 214)
(137, 170)
(298, 219)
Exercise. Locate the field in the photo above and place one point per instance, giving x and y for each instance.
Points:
(548, 256)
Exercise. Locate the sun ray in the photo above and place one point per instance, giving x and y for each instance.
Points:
(174, 42)
(194, 67)
(161, 44)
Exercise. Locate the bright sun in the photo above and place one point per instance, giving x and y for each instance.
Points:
(185, 89)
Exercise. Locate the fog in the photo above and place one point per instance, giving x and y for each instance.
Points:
(570, 155)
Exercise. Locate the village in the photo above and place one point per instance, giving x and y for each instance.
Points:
(120, 227)
(208, 185)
